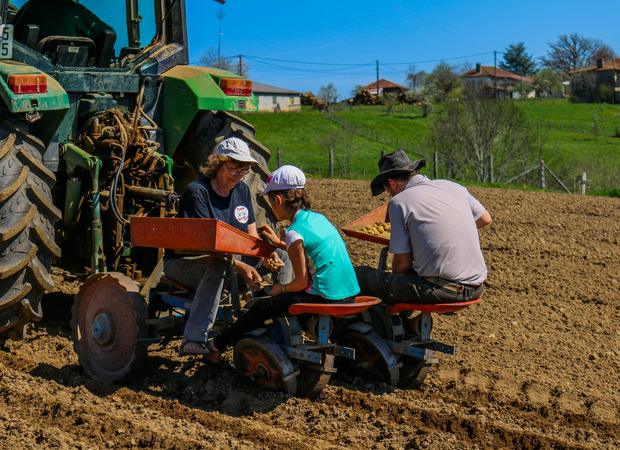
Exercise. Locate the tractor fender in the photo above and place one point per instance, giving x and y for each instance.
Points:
(190, 89)
(52, 105)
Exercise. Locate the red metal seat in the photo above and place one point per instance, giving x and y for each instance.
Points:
(338, 310)
(439, 308)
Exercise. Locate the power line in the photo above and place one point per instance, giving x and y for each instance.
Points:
(369, 63)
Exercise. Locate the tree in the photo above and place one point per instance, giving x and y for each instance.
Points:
(328, 93)
(444, 79)
(583, 84)
(210, 58)
(517, 61)
(546, 82)
(603, 52)
(571, 52)
(414, 78)
(468, 133)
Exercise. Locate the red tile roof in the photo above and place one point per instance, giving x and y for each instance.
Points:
(384, 84)
(608, 64)
(492, 71)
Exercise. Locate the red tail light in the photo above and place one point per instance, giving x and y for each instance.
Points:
(28, 83)
(236, 86)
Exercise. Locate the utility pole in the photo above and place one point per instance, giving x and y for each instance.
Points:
(377, 78)
(220, 16)
(240, 66)
(495, 59)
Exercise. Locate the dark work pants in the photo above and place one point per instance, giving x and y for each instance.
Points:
(267, 308)
(408, 287)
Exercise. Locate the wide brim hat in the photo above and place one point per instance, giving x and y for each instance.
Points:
(394, 164)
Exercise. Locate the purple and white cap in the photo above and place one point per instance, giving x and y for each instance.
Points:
(285, 177)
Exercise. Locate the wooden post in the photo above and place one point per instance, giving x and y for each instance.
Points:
(278, 151)
(331, 162)
(584, 183)
(435, 161)
(543, 184)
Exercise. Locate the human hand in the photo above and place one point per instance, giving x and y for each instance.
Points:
(273, 262)
(249, 274)
(267, 232)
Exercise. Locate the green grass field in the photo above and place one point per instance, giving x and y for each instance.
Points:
(571, 146)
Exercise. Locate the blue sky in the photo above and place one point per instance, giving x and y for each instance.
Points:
(345, 38)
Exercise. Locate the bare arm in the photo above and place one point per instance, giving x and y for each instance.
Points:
(252, 230)
(402, 262)
(484, 219)
(298, 259)
(273, 261)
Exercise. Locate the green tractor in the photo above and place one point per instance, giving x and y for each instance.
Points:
(97, 126)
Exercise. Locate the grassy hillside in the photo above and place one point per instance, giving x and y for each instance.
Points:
(578, 137)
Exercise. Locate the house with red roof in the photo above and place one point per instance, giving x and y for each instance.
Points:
(385, 87)
(507, 84)
(597, 83)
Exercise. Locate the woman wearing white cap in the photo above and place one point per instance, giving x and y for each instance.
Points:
(219, 194)
(323, 270)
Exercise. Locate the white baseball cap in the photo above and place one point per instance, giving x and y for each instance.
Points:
(285, 177)
(236, 149)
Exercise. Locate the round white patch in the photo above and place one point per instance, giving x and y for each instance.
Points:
(242, 214)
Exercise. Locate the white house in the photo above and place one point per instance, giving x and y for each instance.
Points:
(492, 77)
(275, 99)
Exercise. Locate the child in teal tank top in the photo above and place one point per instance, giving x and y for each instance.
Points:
(323, 270)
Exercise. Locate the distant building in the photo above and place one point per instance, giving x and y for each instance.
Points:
(276, 99)
(490, 77)
(597, 83)
(385, 87)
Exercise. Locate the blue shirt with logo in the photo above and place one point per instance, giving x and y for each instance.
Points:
(201, 201)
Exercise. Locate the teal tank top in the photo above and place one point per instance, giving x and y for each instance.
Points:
(333, 277)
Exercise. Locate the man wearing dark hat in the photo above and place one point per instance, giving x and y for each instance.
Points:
(434, 237)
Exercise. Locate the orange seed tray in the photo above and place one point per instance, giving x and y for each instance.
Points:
(195, 235)
(377, 215)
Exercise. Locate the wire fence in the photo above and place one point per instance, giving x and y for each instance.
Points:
(580, 184)
(592, 126)
(397, 142)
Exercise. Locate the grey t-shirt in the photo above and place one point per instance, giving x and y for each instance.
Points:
(435, 220)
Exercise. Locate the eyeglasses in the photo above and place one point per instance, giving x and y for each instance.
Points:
(234, 171)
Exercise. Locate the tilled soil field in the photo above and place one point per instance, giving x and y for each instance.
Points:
(537, 362)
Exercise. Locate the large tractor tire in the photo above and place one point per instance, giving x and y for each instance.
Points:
(210, 128)
(27, 218)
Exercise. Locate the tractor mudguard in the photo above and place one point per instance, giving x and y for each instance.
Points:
(189, 89)
(54, 103)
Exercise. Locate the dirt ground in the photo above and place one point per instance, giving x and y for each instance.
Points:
(537, 363)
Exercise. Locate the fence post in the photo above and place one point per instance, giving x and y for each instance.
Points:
(543, 184)
(278, 151)
(435, 160)
(331, 162)
(584, 183)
